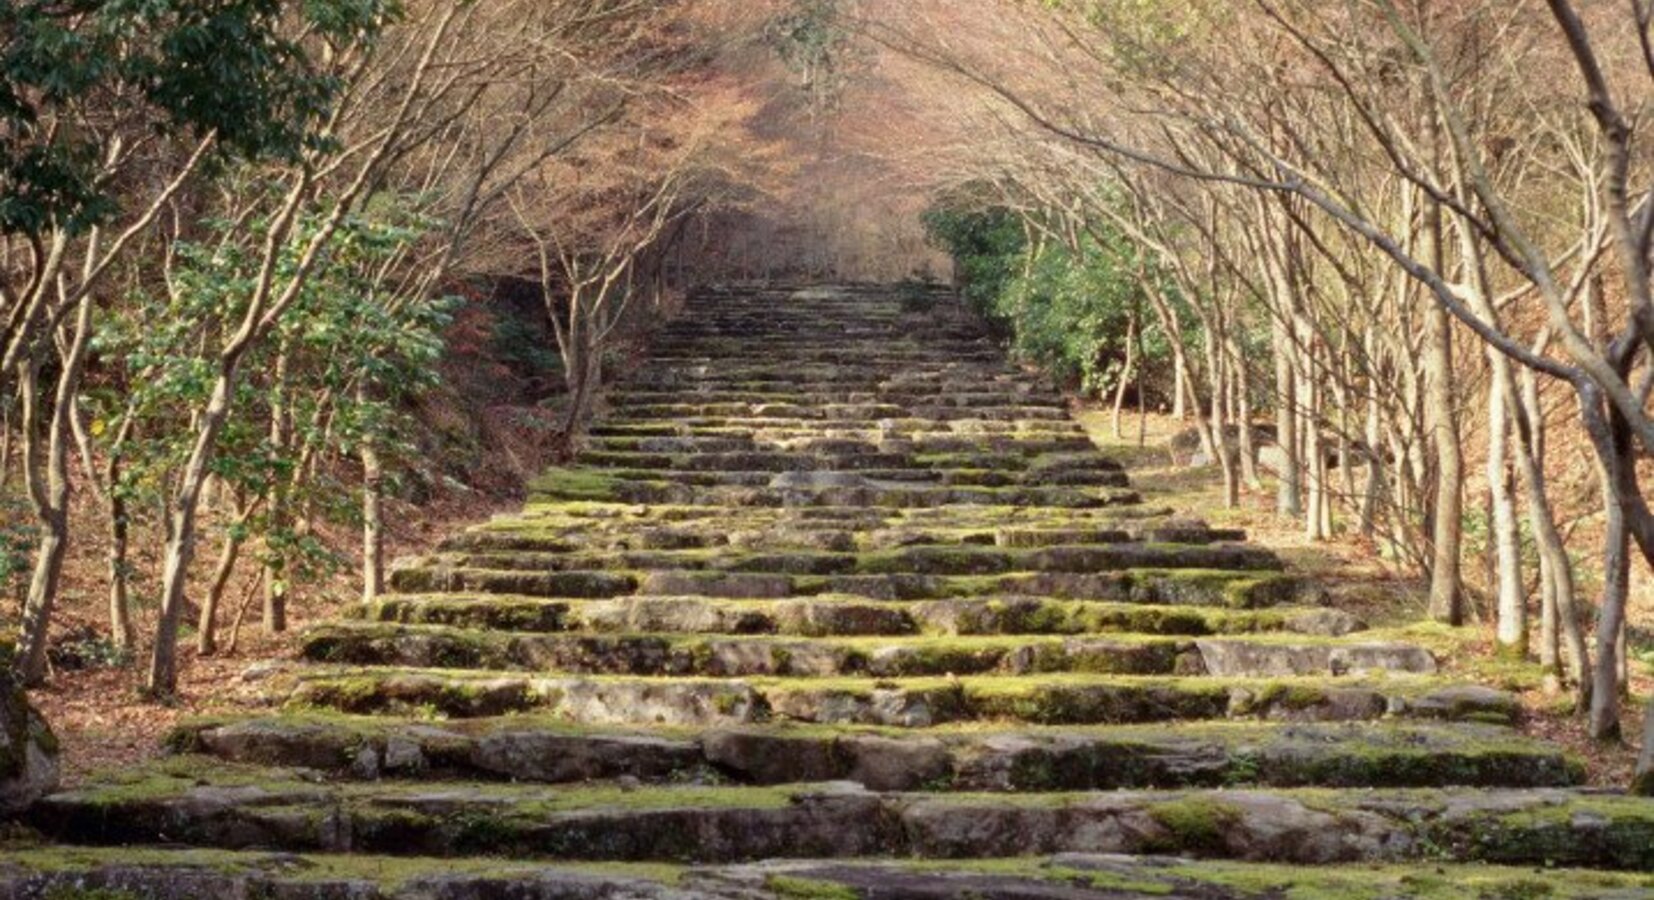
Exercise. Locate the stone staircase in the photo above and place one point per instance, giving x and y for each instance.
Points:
(839, 604)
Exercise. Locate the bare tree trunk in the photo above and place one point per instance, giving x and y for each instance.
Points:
(123, 633)
(1314, 460)
(1126, 375)
(373, 531)
(1243, 414)
(5, 439)
(49, 491)
(1446, 596)
(1172, 325)
(1550, 643)
(1553, 553)
(1142, 395)
(1512, 626)
(1610, 433)
(182, 511)
(1605, 690)
(206, 639)
(1180, 385)
(1220, 426)
(1289, 497)
(1373, 434)
(275, 576)
(1643, 782)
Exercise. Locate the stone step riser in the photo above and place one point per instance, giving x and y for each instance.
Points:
(893, 497)
(1495, 827)
(186, 875)
(918, 438)
(742, 453)
(773, 536)
(1158, 589)
(771, 415)
(736, 657)
(921, 560)
(809, 618)
(899, 479)
(1009, 762)
(1036, 700)
(893, 396)
(859, 459)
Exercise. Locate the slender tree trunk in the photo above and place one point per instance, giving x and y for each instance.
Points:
(1314, 463)
(1289, 497)
(206, 638)
(1373, 434)
(123, 633)
(1528, 416)
(1125, 375)
(1512, 626)
(1220, 425)
(275, 576)
(182, 512)
(1172, 325)
(373, 531)
(49, 491)
(1142, 394)
(1446, 595)
(1180, 386)
(1243, 414)
(1605, 690)
(1610, 433)
(1643, 782)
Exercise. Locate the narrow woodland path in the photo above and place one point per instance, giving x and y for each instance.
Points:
(836, 583)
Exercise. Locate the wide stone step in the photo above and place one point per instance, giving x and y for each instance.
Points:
(916, 560)
(165, 874)
(919, 436)
(210, 803)
(628, 520)
(529, 749)
(835, 412)
(727, 656)
(771, 533)
(1161, 587)
(627, 396)
(905, 477)
(831, 616)
(795, 489)
(828, 455)
(895, 702)
(749, 461)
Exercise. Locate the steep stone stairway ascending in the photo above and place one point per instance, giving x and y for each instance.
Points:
(834, 582)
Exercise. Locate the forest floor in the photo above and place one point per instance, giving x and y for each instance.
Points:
(101, 721)
(103, 724)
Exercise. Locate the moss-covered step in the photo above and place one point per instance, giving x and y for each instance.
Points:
(210, 803)
(587, 585)
(1177, 587)
(833, 616)
(1079, 876)
(693, 410)
(902, 702)
(140, 873)
(747, 461)
(960, 559)
(785, 532)
(538, 749)
(724, 656)
(848, 489)
(629, 394)
(616, 520)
